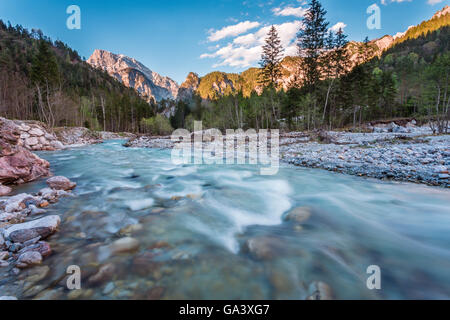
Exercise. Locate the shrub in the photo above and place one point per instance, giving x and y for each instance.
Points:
(158, 125)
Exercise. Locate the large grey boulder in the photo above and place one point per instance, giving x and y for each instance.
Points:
(50, 222)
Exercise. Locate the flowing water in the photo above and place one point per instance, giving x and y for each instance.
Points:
(192, 223)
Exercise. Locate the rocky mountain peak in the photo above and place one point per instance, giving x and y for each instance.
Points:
(189, 86)
(135, 75)
(443, 12)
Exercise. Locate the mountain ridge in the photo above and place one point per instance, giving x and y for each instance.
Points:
(217, 83)
(134, 74)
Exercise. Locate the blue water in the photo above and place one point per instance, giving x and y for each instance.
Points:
(194, 222)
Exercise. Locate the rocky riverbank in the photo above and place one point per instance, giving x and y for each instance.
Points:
(17, 164)
(25, 227)
(18, 139)
(390, 151)
(401, 158)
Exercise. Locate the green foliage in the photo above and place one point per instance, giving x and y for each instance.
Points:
(158, 125)
(218, 84)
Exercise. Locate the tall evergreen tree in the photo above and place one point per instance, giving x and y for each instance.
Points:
(45, 67)
(312, 41)
(271, 59)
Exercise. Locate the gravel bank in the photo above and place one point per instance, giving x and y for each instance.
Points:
(409, 153)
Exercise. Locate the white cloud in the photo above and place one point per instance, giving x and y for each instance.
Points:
(290, 11)
(433, 2)
(337, 26)
(385, 2)
(232, 31)
(245, 51)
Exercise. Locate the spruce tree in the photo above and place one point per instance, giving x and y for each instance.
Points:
(312, 42)
(45, 69)
(271, 59)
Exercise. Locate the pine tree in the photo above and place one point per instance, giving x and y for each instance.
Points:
(45, 67)
(312, 41)
(271, 59)
(341, 55)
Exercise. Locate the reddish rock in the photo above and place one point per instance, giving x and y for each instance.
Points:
(4, 190)
(42, 247)
(24, 235)
(29, 258)
(61, 183)
(17, 164)
(144, 265)
(44, 204)
(156, 293)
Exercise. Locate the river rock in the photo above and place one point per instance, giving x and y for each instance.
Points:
(50, 222)
(4, 255)
(18, 202)
(36, 132)
(155, 293)
(320, 291)
(61, 183)
(299, 215)
(109, 288)
(263, 248)
(131, 229)
(105, 273)
(57, 144)
(31, 141)
(35, 210)
(29, 258)
(144, 264)
(42, 247)
(25, 235)
(4, 190)
(34, 275)
(124, 245)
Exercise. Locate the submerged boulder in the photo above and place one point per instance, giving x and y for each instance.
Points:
(320, 291)
(264, 248)
(124, 245)
(298, 215)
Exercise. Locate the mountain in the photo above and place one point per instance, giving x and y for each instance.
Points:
(189, 86)
(135, 75)
(216, 84)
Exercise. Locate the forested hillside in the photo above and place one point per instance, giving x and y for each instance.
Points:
(48, 81)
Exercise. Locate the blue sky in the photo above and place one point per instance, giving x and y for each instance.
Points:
(179, 36)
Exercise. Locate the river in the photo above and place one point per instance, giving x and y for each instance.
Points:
(192, 224)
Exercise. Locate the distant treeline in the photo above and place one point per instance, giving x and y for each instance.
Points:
(411, 79)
